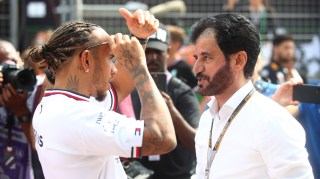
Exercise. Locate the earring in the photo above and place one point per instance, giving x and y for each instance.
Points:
(87, 70)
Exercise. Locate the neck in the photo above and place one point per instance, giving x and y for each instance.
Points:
(71, 80)
(171, 58)
(226, 95)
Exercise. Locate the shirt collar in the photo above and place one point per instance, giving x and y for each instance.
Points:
(231, 104)
(70, 94)
(169, 76)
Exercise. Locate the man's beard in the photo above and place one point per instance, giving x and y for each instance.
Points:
(220, 81)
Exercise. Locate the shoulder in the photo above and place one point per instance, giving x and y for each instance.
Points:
(177, 83)
(270, 114)
(184, 64)
(267, 107)
(268, 117)
(176, 88)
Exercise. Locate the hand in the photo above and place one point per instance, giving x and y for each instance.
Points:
(141, 23)
(168, 100)
(175, 114)
(16, 102)
(283, 94)
(128, 52)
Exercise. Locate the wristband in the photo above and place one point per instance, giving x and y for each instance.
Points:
(142, 41)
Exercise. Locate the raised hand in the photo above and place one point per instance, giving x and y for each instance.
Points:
(141, 23)
(127, 51)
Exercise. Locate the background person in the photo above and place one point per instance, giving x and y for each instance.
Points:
(260, 12)
(178, 66)
(184, 110)
(15, 122)
(282, 65)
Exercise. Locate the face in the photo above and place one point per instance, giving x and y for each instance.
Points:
(156, 60)
(285, 52)
(8, 52)
(211, 67)
(104, 69)
(255, 2)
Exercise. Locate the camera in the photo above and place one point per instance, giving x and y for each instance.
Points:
(20, 79)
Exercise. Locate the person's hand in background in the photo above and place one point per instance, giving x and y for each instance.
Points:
(283, 94)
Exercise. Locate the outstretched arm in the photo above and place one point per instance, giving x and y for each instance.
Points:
(141, 25)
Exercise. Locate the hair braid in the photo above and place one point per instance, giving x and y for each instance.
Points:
(62, 44)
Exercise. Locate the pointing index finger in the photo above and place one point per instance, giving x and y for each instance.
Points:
(126, 14)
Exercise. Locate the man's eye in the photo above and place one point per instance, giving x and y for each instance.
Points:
(207, 59)
(112, 58)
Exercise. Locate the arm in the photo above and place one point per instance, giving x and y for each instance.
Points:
(142, 25)
(159, 136)
(185, 125)
(17, 103)
(283, 96)
(293, 110)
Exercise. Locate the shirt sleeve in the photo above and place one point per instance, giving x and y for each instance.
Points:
(110, 133)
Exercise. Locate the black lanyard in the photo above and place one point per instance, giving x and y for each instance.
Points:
(212, 151)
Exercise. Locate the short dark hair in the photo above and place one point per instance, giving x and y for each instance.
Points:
(63, 43)
(233, 33)
(279, 39)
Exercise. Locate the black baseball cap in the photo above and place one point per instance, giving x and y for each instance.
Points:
(160, 40)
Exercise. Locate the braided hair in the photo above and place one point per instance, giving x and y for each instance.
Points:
(62, 44)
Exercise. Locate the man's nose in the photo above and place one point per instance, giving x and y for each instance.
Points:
(151, 56)
(114, 69)
(198, 67)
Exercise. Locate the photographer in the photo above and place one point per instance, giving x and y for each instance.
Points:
(15, 118)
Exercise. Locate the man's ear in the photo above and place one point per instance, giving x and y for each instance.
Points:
(169, 51)
(240, 58)
(84, 61)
